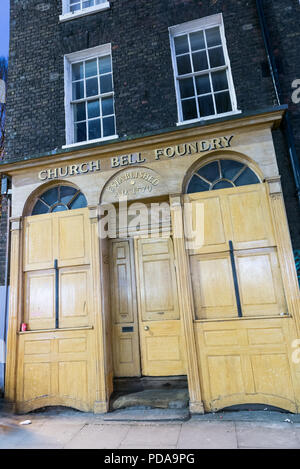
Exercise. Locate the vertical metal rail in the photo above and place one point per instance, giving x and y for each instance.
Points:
(287, 126)
(56, 294)
(235, 280)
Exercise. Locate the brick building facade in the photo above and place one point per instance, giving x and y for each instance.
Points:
(145, 99)
(168, 100)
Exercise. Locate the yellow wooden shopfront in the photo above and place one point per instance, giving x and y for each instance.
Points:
(147, 301)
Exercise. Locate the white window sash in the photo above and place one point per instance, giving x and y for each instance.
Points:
(190, 27)
(69, 60)
(68, 15)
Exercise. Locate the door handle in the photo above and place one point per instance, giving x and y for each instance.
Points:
(146, 328)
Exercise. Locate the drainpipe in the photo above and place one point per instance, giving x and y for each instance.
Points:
(276, 83)
(6, 192)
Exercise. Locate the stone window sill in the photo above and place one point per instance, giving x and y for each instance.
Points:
(208, 118)
(86, 11)
(90, 142)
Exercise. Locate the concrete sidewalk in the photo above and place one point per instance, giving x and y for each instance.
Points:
(67, 428)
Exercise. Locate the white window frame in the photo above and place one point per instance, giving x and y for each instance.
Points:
(193, 26)
(68, 15)
(69, 60)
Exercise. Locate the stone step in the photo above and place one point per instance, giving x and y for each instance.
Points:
(152, 398)
(147, 415)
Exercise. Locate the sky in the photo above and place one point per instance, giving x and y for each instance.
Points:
(4, 27)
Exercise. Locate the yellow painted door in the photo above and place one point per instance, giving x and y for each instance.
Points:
(161, 337)
(65, 237)
(246, 359)
(126, 352)
(240, 215)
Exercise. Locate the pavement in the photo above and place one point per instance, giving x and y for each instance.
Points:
(60, 428)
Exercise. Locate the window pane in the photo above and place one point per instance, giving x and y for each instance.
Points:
(79, 112)
(230, 168)
(189, 109)
(88, 3)
(79, 202)
(203, 84)
(94, 129)
(223, 102)
(92, 87)
(105, 64)
(206, 106)
(181, 44)
(75, 8)
(78, 90)
(247, 177)
(93, 108)
(197, 185)
(210, 171)
(106, 83)
(108, 126)
(213, 37)
(200, 61)
(184, 64)
(197, 40)
(80, 132)
(77, 71)
(186, 88)
(107, 106)
(40, 208)
(66, 194)
(91, 68)
(216, 57)
(51, 196)
(219, 80)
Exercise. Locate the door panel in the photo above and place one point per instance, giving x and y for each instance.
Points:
(213, 286)
(121, 270)
(38, 243)
(64, 236)
(161, 337)
(215, 222)
(39, 307)
(74, 306)
(246, 361)
(126, 353)
(157, 280)
(247, 223)
(260, 283)
(241, 214)
(72, 231)
(126, 350)
(250, 217)
(162, 348)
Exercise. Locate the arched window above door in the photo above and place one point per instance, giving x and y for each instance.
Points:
(221, 174)
(58, 199)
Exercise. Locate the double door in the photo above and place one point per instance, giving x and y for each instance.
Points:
(147, 331)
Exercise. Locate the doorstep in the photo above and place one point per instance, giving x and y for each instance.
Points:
(147, 415)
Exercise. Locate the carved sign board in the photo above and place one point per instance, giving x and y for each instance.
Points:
(105, 164)
(131, 183)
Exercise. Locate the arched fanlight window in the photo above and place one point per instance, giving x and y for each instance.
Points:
(58, 199)
(221, 174)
